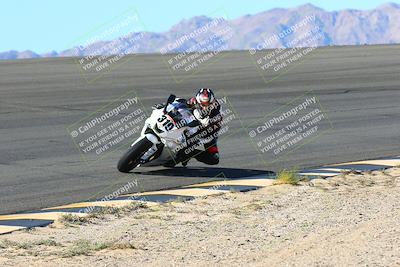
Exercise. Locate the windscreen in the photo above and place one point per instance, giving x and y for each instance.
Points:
(180, 113)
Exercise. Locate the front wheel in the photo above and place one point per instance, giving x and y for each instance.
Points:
(131, 158)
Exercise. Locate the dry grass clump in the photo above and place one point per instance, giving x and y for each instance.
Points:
(287, 177)
(100, 213)
(86, 247)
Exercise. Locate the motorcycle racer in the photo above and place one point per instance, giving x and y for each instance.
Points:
(207, 111)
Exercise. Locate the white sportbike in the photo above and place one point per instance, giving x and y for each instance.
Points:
(164, 134)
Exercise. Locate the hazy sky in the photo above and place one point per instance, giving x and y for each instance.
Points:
(45, 25)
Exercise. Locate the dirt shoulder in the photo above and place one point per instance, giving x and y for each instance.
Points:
(348, 220)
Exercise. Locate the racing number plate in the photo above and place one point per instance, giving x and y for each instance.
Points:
(166, 122)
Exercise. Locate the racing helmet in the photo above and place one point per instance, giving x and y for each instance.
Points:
(205, 97)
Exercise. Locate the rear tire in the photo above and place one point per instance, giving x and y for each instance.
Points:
(131, 158)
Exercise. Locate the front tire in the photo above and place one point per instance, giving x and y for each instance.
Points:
(131, 158)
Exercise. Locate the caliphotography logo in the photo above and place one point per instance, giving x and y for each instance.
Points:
(290, 127)
(195, 49)
(97, 55)
(108, 128)
(271, 57)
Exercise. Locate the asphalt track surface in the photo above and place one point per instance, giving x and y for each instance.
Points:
(359, 88)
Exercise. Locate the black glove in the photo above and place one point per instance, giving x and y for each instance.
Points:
(158, 106)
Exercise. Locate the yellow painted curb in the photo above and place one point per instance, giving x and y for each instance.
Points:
(195, 192)
(111, 203)
(4, 229)
(38, 216)
(244, 182)
(325, 174)
(334, 169)
(384, 162)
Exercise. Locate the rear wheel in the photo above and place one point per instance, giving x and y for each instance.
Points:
(132, 157)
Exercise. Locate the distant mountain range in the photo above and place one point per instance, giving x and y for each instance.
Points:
(346, 27)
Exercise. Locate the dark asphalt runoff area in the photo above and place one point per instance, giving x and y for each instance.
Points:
(358, 88)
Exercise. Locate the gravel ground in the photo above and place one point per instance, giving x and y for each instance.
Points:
(348, 220)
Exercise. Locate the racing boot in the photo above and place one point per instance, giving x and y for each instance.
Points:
(185, 162)
(170, 164)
